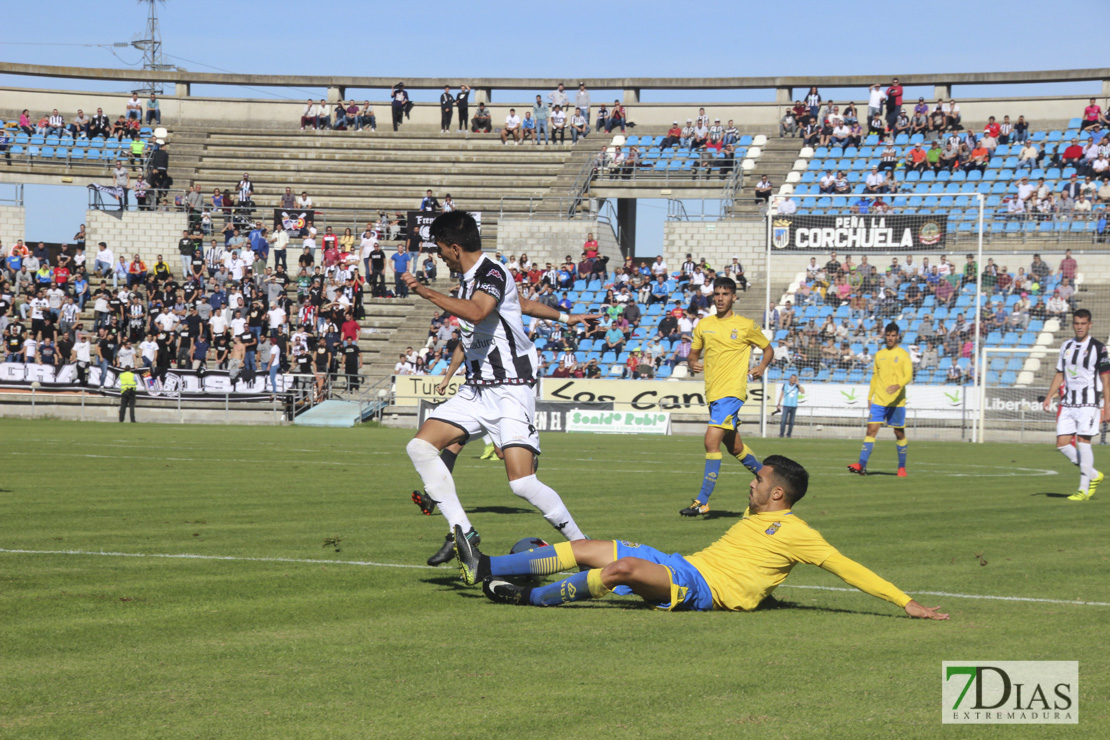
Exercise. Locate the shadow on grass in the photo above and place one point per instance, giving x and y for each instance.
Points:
(1050, 494)
(500, 510)
(721, 514)
(453, 582)
(880, 472)
(771, 603)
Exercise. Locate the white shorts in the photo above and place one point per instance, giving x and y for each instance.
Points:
(1081, 420)
(505, 412)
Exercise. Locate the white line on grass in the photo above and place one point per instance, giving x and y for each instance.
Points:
(187, 556)
(966, 596)
(311, 561)
(154, 458)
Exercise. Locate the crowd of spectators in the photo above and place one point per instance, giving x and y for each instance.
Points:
(548, 120)
(912, 290)
(948, 146)
(82, 126)
(224, 306)
(645, 343)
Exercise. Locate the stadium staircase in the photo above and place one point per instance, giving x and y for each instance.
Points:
(776, 161)
(351, 176)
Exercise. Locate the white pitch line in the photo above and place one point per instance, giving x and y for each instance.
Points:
(187, 556)
(966, 596)
(311, 561)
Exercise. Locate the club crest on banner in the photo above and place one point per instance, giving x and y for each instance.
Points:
(780, 233)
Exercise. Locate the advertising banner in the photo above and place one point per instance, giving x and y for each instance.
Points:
(550, 416)
(619, 422)
(854, 233)
(1019, 404)
(641, 395)
(922, 401)
(409, 390)
(183, 383)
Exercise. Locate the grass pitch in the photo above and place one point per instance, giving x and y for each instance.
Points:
(321, 621)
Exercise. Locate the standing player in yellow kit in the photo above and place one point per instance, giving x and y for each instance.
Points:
(892, 373)
(727, 340)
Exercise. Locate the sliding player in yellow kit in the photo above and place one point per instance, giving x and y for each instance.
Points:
(727, 340)
(735, 573)
(887, 396)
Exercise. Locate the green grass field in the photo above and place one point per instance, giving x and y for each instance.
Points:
(275, 635)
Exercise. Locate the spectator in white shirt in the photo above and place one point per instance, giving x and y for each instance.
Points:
(579, 127)
(875, 182)
(787, 206)
(511, 129)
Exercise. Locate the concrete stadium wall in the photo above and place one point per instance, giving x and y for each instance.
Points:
(146, 233)
(13, 225)
(1044, 112)
(717, 242)
(551, 240)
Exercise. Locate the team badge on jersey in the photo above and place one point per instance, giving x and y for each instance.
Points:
(773, 528)
(734, 334)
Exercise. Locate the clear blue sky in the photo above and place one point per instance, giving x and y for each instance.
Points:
(467, 40)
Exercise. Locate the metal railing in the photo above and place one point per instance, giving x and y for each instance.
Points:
(372, 400)
(581, 187)
(732, 188)
(12, 196)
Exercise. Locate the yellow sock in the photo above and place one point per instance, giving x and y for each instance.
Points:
(562, 560)
(596, 587)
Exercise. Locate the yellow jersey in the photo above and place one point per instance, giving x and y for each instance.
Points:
(727, 351)
(758, 552)
(892, 367)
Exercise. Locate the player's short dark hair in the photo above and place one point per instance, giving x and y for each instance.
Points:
(723, 282)
(893, 326)
(793, 478)
(1082, 313)
(457, 227)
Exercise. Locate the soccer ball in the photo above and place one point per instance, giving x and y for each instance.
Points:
(525, 545)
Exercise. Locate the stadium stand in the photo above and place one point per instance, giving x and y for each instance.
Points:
(829, 328)
(1052, 208)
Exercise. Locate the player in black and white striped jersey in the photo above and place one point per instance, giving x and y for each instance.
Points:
(1083, 372)
(501, 369)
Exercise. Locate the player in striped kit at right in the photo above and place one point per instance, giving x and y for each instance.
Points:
(1082, 371)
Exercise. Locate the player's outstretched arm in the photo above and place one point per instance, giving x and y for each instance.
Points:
(473, 309)
(539, 310)
(869, 582)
